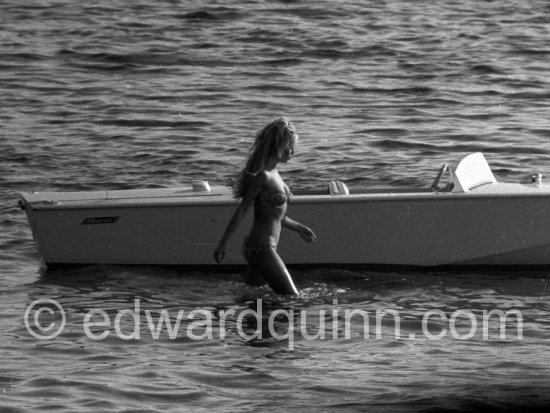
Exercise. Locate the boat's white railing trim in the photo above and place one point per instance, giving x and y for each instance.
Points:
(211, 200)
(471, 172)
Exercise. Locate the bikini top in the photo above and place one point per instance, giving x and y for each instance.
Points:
(276, 199)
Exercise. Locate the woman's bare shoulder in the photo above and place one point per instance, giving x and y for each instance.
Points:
(257, 183)
(260, 178)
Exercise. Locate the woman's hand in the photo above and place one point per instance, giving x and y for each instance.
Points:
(307, 234)
(219, 253)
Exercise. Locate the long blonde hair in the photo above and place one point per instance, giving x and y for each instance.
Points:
(267, 149)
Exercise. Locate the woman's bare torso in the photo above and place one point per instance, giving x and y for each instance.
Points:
(269, 211)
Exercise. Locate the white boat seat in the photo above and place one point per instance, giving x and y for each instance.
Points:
(337, 188)
(472, 171)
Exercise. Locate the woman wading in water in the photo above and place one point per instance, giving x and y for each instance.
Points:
(260, 185)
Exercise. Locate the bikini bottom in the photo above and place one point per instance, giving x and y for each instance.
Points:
(251, 250)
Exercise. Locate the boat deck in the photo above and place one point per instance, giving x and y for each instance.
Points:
(223, 194)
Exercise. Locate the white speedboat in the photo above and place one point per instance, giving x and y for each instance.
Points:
(474, 220)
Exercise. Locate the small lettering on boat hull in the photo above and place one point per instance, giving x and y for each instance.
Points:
(99, 220)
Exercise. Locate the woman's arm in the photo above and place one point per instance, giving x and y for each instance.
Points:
(252, 191)
(232, 226)
(306, 233)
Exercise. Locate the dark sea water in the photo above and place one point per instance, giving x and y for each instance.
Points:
(126, 94)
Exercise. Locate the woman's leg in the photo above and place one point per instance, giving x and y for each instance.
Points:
(269, 265)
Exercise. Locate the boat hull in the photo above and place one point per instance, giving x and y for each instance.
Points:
(498, 224)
